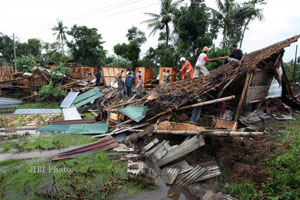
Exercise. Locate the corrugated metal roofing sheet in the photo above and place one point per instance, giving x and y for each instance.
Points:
(169, 174)
(9, 102)
(76, 128)
(134, 112)
(150, 145)
(183, 149)
(87, 97)
(36, 111)
(71, 114)
(67, 102)
(183, 165)
(191, 176)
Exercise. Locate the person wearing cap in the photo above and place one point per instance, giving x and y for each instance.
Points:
(186, 69)
(164, 76)
(200, 64)
(129, 83)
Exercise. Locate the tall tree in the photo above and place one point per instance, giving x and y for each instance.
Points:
(60, 32)
(194, 28)
(162, 21)
(131, 51)
(86, 46)
(248, 13)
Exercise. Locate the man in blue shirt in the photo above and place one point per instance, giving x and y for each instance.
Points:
(128, 84)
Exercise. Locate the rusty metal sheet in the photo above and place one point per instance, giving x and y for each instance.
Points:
(106, 143)
(183, 149)
(65, 122)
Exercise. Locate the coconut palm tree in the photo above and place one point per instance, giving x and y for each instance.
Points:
(248, 13)
(226, 14)
(162, 21)
(60, 32)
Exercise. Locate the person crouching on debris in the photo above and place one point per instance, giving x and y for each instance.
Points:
(121, 87)
(98, 78)
(236, 57)
(186, 69)
(139, 86)
(129, 83)
(100, 106)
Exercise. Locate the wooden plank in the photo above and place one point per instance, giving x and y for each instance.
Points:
(242, 99)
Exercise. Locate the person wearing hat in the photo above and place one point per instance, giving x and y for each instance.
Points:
(200, 64)
(164, 76)
(129, 83)
(186, 69)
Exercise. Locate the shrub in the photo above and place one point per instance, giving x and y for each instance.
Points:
(50, 92)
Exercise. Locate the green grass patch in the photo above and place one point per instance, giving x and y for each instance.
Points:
(44, 142)
(93, 176)
(38, 105)
(89, 115)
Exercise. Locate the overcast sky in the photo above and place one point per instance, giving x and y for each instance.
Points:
(112, 18)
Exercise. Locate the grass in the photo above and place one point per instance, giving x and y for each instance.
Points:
(284, 170)
(44, 142)
(94, 176)
(39, 105)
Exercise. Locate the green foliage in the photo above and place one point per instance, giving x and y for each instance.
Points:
(32, 47)
(117, 61)
(6, 48)
(25, 65)
(215, 52)
(60, 71)
(60, 32)
(50, 92)
(289, 70)
(86, 46)
(52, 54)
(131, 51)
(192, 27)
(283, 181)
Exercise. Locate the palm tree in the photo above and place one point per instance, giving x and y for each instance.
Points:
(225, 13)
(60, 31)
(162, 21)
(248, 13)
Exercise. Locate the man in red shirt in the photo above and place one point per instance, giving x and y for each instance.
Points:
(186, 69)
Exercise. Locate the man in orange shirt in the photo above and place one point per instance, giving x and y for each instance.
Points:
(186, 69)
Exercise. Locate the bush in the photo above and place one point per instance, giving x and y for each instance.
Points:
(50, 92)
(60, 71)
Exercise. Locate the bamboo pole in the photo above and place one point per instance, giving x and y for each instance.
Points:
(208, 102)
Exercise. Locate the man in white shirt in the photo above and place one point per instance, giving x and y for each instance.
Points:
(200, 64)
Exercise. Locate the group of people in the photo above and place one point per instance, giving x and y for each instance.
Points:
(187, 71)
(126, 86)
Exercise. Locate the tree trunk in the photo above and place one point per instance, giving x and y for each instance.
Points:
(224, 35)
(167, 34)
(62, 46)
(243, 33)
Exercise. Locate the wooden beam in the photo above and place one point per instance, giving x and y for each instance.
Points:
(242, 99)
(207, 102)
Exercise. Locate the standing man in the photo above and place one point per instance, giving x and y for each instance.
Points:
(139, 86)
(138, 74)
(121, 87)
(200, 64)
(98, 76)
(186, 69)
(236, 57)
(164, 76)
(129, 83)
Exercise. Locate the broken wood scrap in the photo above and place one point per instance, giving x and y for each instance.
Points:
(207, 102)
